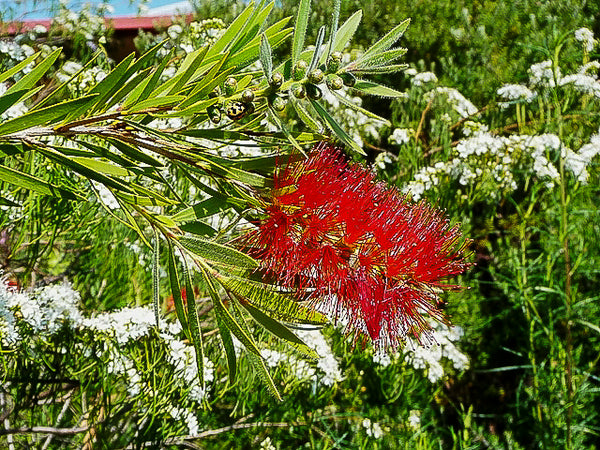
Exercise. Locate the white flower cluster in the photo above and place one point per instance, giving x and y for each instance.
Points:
(89, 21)
(586, 37)
(422, 78)
(544, 74)
(516, 92)
(82, 82)
(400, 136)
(373, 429)
(45, 311)
(487, 158)
(429, 357)
(459, 102)
(329, 371)
(15, 52)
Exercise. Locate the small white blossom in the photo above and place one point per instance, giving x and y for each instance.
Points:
(424, 77)
(586, 37)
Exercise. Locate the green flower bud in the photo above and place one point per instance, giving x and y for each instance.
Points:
(334, 62)
(348, 78)
(334, 82)
(230, 86)
(278, 103)
(247, 96)
(299, 91)
(276, 80)
(300, 70)
(316, 76)
(214, 113)
(313, 91)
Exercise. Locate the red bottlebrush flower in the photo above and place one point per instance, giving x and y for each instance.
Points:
(356, 248)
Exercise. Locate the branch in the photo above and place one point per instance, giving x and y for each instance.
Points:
(44, 430)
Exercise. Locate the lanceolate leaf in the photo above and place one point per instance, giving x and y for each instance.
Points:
(388, 40)
(379, 59)
(26, 181)
(268, 298)
(194, 324)
(7, 100)
(368, 87)
(300, 29)
(336, 128)
(16, 69)
(334, 26)
(318, 51)
(257, 360)
(44, 115)
(304, 115)
(29, 80)
(202, 209)
(218, 253)
(355, 107)
(280, 330)
(380, 70)
(230, 36)
(238, 330)
(156, 277)
(266, 58)
(176, 292)
(346, 31)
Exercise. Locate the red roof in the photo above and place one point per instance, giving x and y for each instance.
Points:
(116, 23)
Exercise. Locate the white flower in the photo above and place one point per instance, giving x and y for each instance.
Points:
(586, 37)
(372, 429)
(414, 419)
(459, 102)
(583, 83)
(514, 92)
(542, 74)
(424, 77)
(400, 136)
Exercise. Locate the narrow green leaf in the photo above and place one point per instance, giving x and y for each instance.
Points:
(280, 330)
(202, 209)
(257, 360)
(189, 69)
(388, 40)
(134, 153)
(156, 277)
(194, 323)
(275, 118)
(318, 50)
(229, 321)
(42, 116)
(16, 69)
(355, 107)
(261, 369)
(198, 228)
(379, 59)
(102, 166)
(218, 253)
(167, 100)
(368, 87)
(300, 29)
(255, 24)
(176, 292)
(115, 79)
(150, 87)
(58, 89)
(227, 341)
(8, 100)
(29, 80)
(271, 300)
(29, 182)
(127, 88)
(213, 78)
(336, 128)
(380, 70)
(337, 4)
(250, 51)
(304, 115)
(196, 108)
(230, 36)
(266, 57)
(346, 31)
